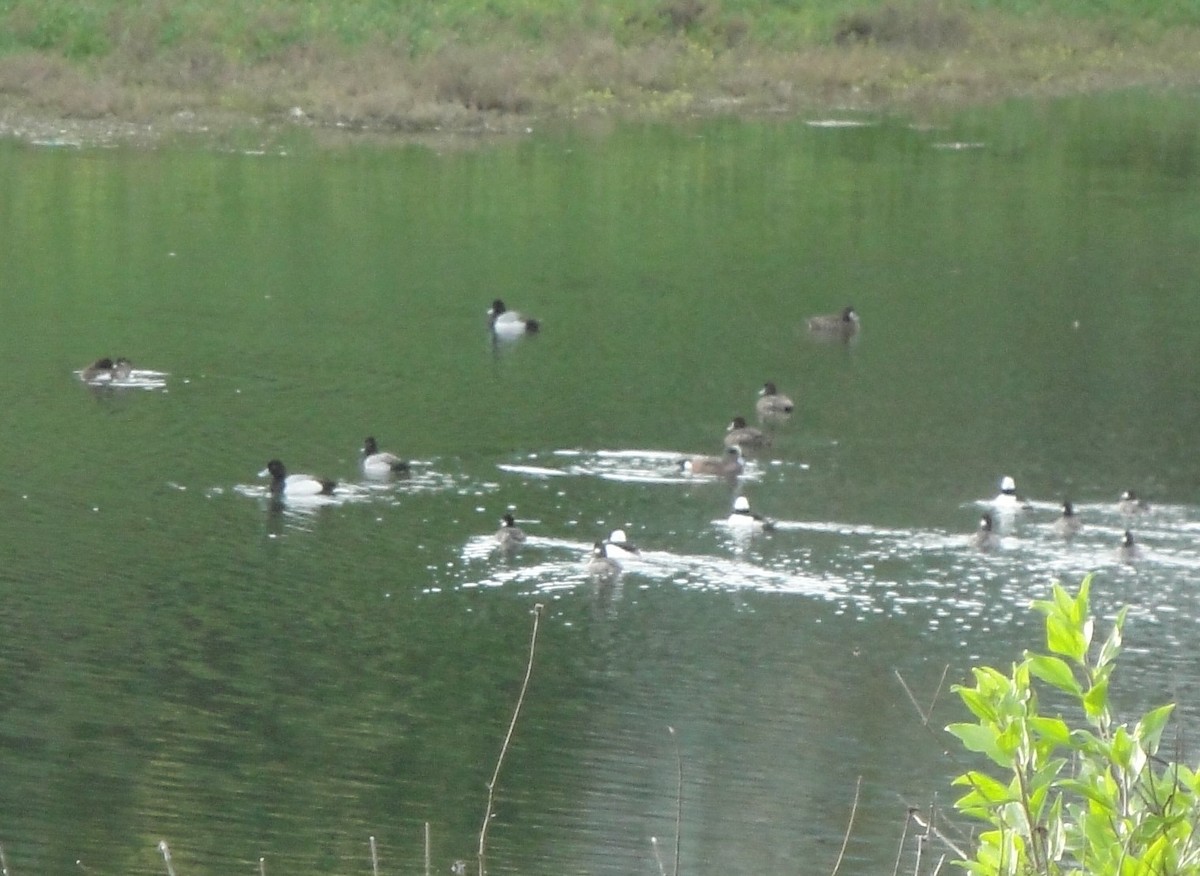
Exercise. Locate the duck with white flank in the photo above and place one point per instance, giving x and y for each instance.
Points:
(507, 323)
(730, 465)
(378, 463)
(286, 486)
(743, 518)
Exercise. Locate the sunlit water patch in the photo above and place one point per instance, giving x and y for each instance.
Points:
(628, 466)
(138, 378)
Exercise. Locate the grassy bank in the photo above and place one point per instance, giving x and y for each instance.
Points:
(458, 65)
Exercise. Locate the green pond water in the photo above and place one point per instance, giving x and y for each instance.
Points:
(183, 659)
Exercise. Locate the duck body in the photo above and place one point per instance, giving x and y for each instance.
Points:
(509, 535)
(843, 324)
(1130, 505)
(728, 465)
(106, 369)
(509, 323)
(1068, 524)
(743, 518)
(1128, 550)
(379, 463)
(985, 539)
(619, 547)
(738, 434)
(286, 485)
(1007, 501)
(600, 564)
(772, 404)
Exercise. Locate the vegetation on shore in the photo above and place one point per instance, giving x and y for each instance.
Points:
(1081, 794)
(455, 65)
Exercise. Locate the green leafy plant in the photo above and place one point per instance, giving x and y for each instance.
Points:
(1085, 796)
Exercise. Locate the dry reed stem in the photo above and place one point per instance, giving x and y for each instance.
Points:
(908, 815)
(374, 857)
(678, 798)
(512, 726)
(849, 826)
(662, 871)
(166, 853)
(3, 862)
(426, 848)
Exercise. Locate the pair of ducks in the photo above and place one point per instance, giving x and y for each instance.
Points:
(106, 370)
(376, 463)
(771, 405)
(510, 323)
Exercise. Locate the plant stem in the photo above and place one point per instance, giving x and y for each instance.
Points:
(426, 848)
(512, 726)
(166, 853)
(678, 798)
(849, 825)
(374, 858)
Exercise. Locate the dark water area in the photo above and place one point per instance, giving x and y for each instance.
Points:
(183, 659)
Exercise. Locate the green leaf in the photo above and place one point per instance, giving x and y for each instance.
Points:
(981, 707)
(1055, 671)
(1062, 637)
(1054, 730)
(980, 739)
(1112, 645)
(1095, 701)
(991, 791)
(1149, 730)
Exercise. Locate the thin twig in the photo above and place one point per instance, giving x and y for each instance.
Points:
(912, 699)
(166, 853)
(3, 862)
(916, 816)
(937, 693)
(374, 858)
(938, 868)
(678, 798)
(662, 871)
(850, 824)
(262, 866)
(512, 726)
(903, 837)
(426, 848)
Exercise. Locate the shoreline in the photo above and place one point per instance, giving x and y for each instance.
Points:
(335, 98)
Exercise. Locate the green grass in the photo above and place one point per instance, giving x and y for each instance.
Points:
(421, 64)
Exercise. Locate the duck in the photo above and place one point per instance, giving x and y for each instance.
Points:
(380, 463)
(295, 485)
(985, 538)
(1068, 524)
(772, 404)
(743, 517)
(1130, 505)
(1007, 501)
(842, 324)
(600, 564)
(728, 465)
(509, 535)
(738, 434)
(106, 369)
(620, 547)
(1127, 551)
(510, 323)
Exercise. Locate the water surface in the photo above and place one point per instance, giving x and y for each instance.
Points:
(186, 660)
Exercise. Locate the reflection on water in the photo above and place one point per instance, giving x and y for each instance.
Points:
(185, 657)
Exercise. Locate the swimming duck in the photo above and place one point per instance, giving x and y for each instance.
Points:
(509, 535)
(296, 485)
(738, 434)
(1130, 505)
(620, 547)
(772, 404)
(1068, 524)
(743, 517)
(601, 565)
(985, 538)
(1007, 501)
(509, 323)
(106, 369)
(1127, 551)
(380, 463)
(729, 465)
(842, 324)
